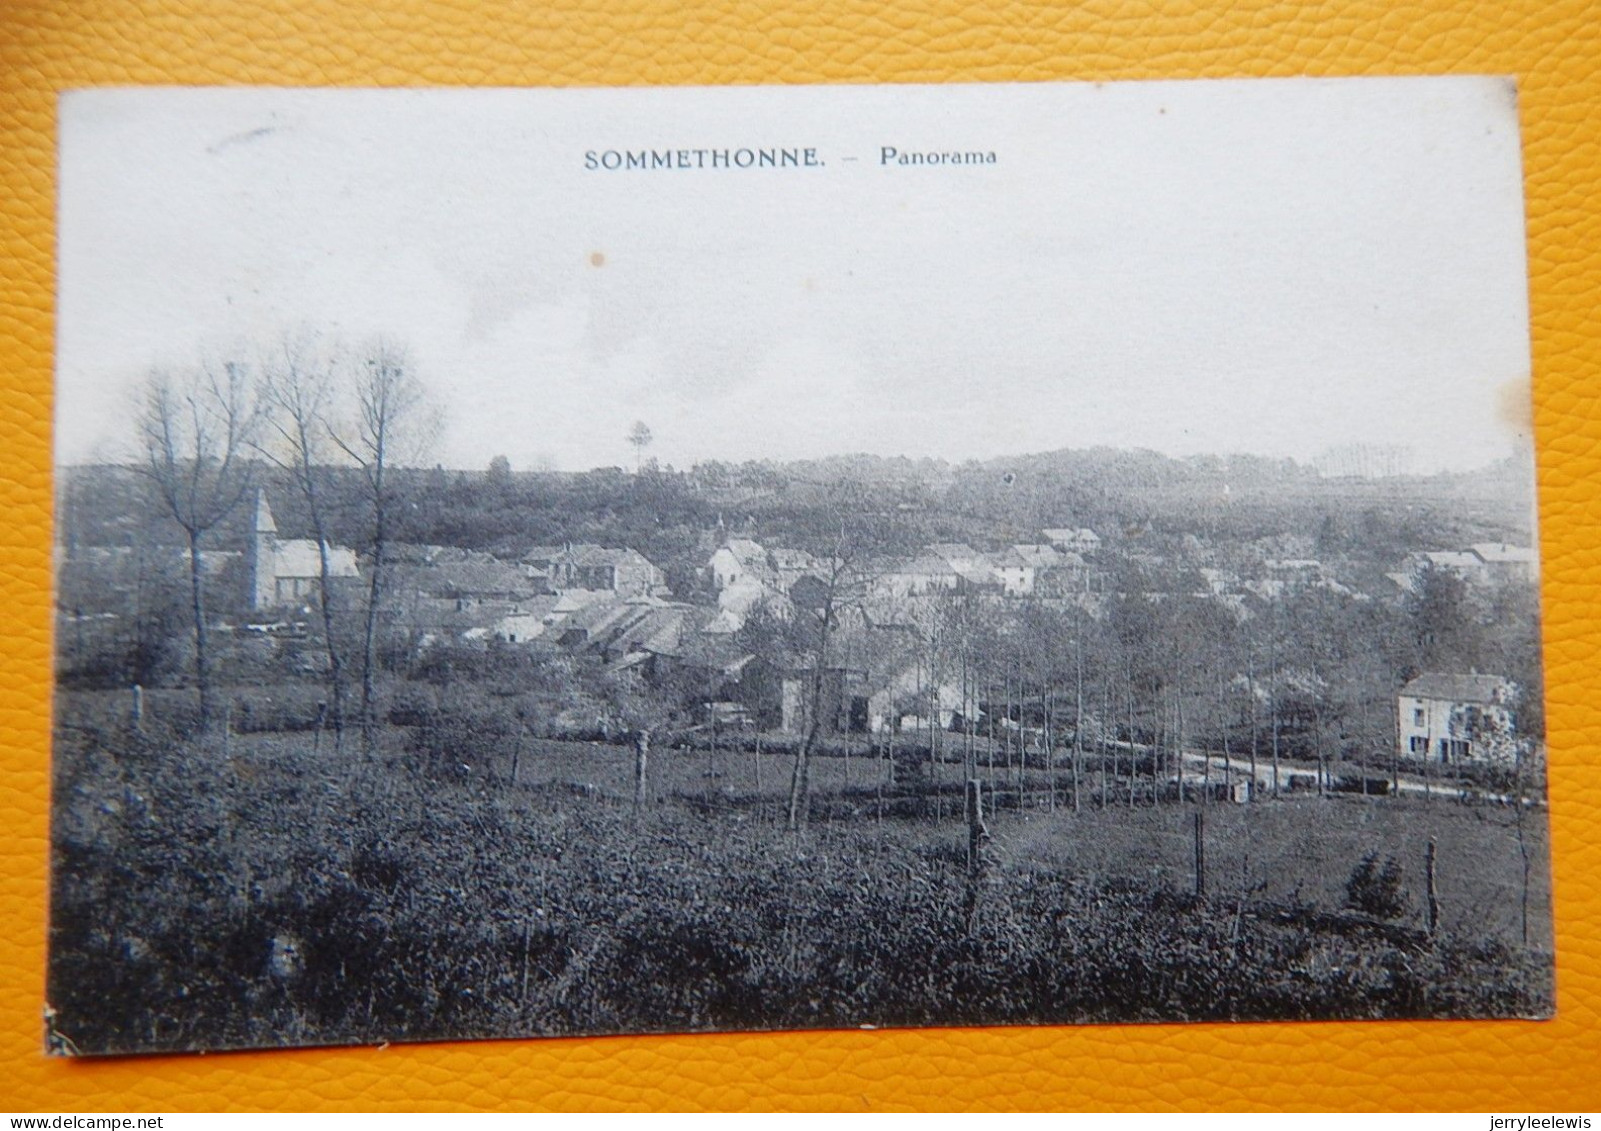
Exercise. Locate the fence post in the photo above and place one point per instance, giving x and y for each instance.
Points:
(1434, 897)
(641, 760)
(522, 993)
(138, 707)
(976, 832)
(1200, 852)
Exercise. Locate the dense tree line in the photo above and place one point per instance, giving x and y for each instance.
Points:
(1134, 499)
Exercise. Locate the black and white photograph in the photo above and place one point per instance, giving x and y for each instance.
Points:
(537, 563)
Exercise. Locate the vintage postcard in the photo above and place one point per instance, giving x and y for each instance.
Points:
(539, 562)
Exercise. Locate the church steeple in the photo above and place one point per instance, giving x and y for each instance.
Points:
(264, 520)
(263, 546)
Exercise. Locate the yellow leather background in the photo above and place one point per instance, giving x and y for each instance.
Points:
(1552, 46)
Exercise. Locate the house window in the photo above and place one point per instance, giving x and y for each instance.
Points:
(1445, 750)
(1419, 716)
(1419, 744)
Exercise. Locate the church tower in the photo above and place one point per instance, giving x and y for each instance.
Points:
(263, 575)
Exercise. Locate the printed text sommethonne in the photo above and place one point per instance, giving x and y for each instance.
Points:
(744, 157)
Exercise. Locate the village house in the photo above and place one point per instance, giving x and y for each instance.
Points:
(1464, 563)
(875, 681)
(1016, 573)
(740, 560)
(1483, 563)
(706, 676)
(922, 575)
(1081, 540)
(1058, 573)
(1457, 719)
(791, 565)
(1028, 569)
(1504, 562)
(542, 616)
(590, 622)
(447, 592)
(528, 620)
(288, 571)
(626, 630)
(739, 601)
(842, 711)
(743, 561)
(973, 569)
(902, 701)
(1044, 557)
(537, 562)
(468, 578)
(623, 571)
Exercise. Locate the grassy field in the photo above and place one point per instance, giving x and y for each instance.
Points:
(265, 892)
(1297, 848)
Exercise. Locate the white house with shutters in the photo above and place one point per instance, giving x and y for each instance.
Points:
(1451, 718)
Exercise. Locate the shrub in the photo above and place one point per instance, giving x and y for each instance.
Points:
(1375, 889)
(411, 705)
(285, 707)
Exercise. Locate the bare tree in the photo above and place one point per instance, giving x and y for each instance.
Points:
(390, 426)
(297, 394)
(843, 584)
(642, 715)
(195, 429)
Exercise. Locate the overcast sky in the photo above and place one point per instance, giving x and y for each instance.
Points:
(1257, 266)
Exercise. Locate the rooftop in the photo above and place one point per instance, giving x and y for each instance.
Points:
(924, 565)
(299, 557)
(746, 549)
(1502, 552)
(1455, 687)
(588, 554)
(1040, 556)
